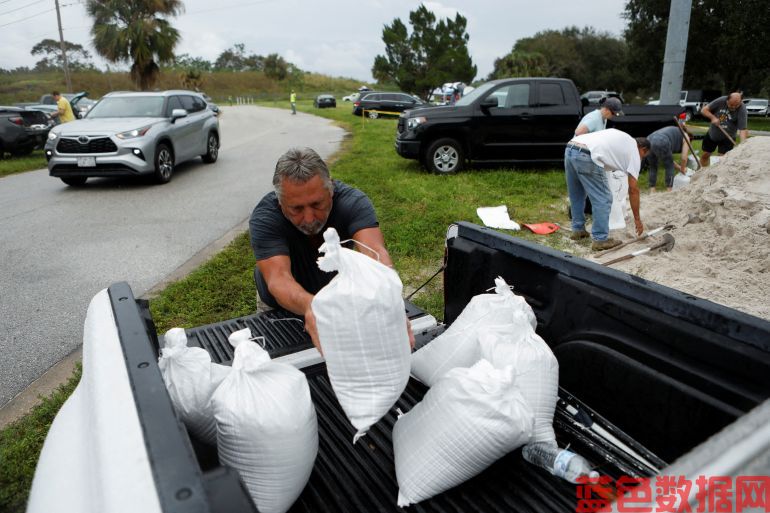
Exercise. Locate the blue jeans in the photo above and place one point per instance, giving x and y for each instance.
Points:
(586, 179)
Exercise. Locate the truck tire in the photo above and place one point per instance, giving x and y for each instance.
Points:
(212, 149)
(373, 114)
(164, 163)
(74, 181)
(444, 156)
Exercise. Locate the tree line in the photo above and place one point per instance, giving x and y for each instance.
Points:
(725, 49)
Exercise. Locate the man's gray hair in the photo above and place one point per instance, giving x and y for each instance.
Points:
(300, 165)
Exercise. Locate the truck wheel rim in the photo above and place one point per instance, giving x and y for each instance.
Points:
(445, 158)
(164, 163)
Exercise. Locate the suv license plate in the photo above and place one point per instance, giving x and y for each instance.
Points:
(86, 161)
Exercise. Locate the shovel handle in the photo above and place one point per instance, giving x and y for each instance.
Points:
(630, 255)
(727, 135)
(638, 239)
(689, 144)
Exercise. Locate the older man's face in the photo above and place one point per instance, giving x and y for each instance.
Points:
(307, 205)
(734, 101)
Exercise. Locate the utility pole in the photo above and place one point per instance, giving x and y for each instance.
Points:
(63, 50)
(676, 51)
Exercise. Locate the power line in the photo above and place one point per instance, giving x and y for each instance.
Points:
(28, 17)
(20, 8)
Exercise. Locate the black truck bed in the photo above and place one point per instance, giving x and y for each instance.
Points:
(667, 368)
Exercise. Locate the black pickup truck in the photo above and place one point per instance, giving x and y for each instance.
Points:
(648, 376)
(511, 120)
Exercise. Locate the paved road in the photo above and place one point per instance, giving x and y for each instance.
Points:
(60, 245)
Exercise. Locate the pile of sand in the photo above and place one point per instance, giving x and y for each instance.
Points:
(723, 254)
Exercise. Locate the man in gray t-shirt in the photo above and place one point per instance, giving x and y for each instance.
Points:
(729, 113)
(664, 142)
(287, 225)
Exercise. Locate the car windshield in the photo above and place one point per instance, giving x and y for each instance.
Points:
(759, 103)
(128, 107)
(476, 93)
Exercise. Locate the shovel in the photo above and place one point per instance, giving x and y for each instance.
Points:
(667, 244)
(639, 238)
(727, 135)
(689, 144)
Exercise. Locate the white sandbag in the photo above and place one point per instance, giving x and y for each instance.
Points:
(191, 378)
(458, 346)
(361, 324)
(535, 367)
(618, 182)
(266, 426)
(468, 420)
(681, 180)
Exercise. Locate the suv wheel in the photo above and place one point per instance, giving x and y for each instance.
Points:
(74, 181)
(212, 149)
(164, 163)
(373, 114)
(444, 156)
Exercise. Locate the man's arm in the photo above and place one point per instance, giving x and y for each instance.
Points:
(276, 272)
(744, 134)
(581, 129)
(706, 112)
(373, 239)
(633, 198)
(684, 152)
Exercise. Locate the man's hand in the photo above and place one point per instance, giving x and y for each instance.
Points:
(312, 329)
(639, 227)
(715, 120)
(683, 168)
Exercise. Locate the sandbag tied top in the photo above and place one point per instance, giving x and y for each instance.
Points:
(458, 345)
(191, 378)
(468, 420)
(361, 324)
(266, 426)
(535, 366)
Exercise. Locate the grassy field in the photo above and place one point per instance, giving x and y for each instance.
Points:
(11, 165)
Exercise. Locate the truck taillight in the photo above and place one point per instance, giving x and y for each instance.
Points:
(17, 120)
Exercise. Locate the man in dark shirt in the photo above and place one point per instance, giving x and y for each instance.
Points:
(729, 113)
(287, 225)
(663, 144)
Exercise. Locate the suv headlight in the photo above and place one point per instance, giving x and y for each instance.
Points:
(131, 134)
(413, 123)
(52, 136)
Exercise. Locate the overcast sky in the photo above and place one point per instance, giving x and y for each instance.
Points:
(335, 37)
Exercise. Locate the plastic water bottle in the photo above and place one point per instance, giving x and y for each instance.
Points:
(559, 462)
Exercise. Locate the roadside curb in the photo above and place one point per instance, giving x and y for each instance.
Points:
(61, 371)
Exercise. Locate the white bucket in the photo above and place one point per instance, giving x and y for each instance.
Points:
(618, 183)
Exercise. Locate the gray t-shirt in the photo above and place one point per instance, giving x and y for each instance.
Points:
(731, 120)
(272, 234)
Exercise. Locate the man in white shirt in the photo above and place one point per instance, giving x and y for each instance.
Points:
(588, 159)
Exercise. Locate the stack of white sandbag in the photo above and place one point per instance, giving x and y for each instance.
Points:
(362, 329)
(191, 379)
(266, 425)
(469, 419)
(458, 345)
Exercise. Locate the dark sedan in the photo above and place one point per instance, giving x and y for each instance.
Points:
(376, 104)
(323, 101)
(21, 131)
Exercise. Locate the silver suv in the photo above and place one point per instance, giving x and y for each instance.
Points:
(131, 134)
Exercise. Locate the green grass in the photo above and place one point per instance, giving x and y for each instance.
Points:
(12, 165)
(21, 443)
(754, 123)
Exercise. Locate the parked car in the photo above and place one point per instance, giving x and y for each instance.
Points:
(597, 97)
(351, 97)
(324, 100)
(132, 134)
(756, 107)
(377, 104)
(22, 131)
(511, 120)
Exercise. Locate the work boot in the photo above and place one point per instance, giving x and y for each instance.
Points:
(578, 234)
(601, 245)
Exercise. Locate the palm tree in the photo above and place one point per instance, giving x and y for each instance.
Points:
(135, 31)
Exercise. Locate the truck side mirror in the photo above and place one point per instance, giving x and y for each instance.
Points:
(489, 102)
(178, 113)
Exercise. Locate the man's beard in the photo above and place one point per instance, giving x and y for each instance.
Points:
(313, 228)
